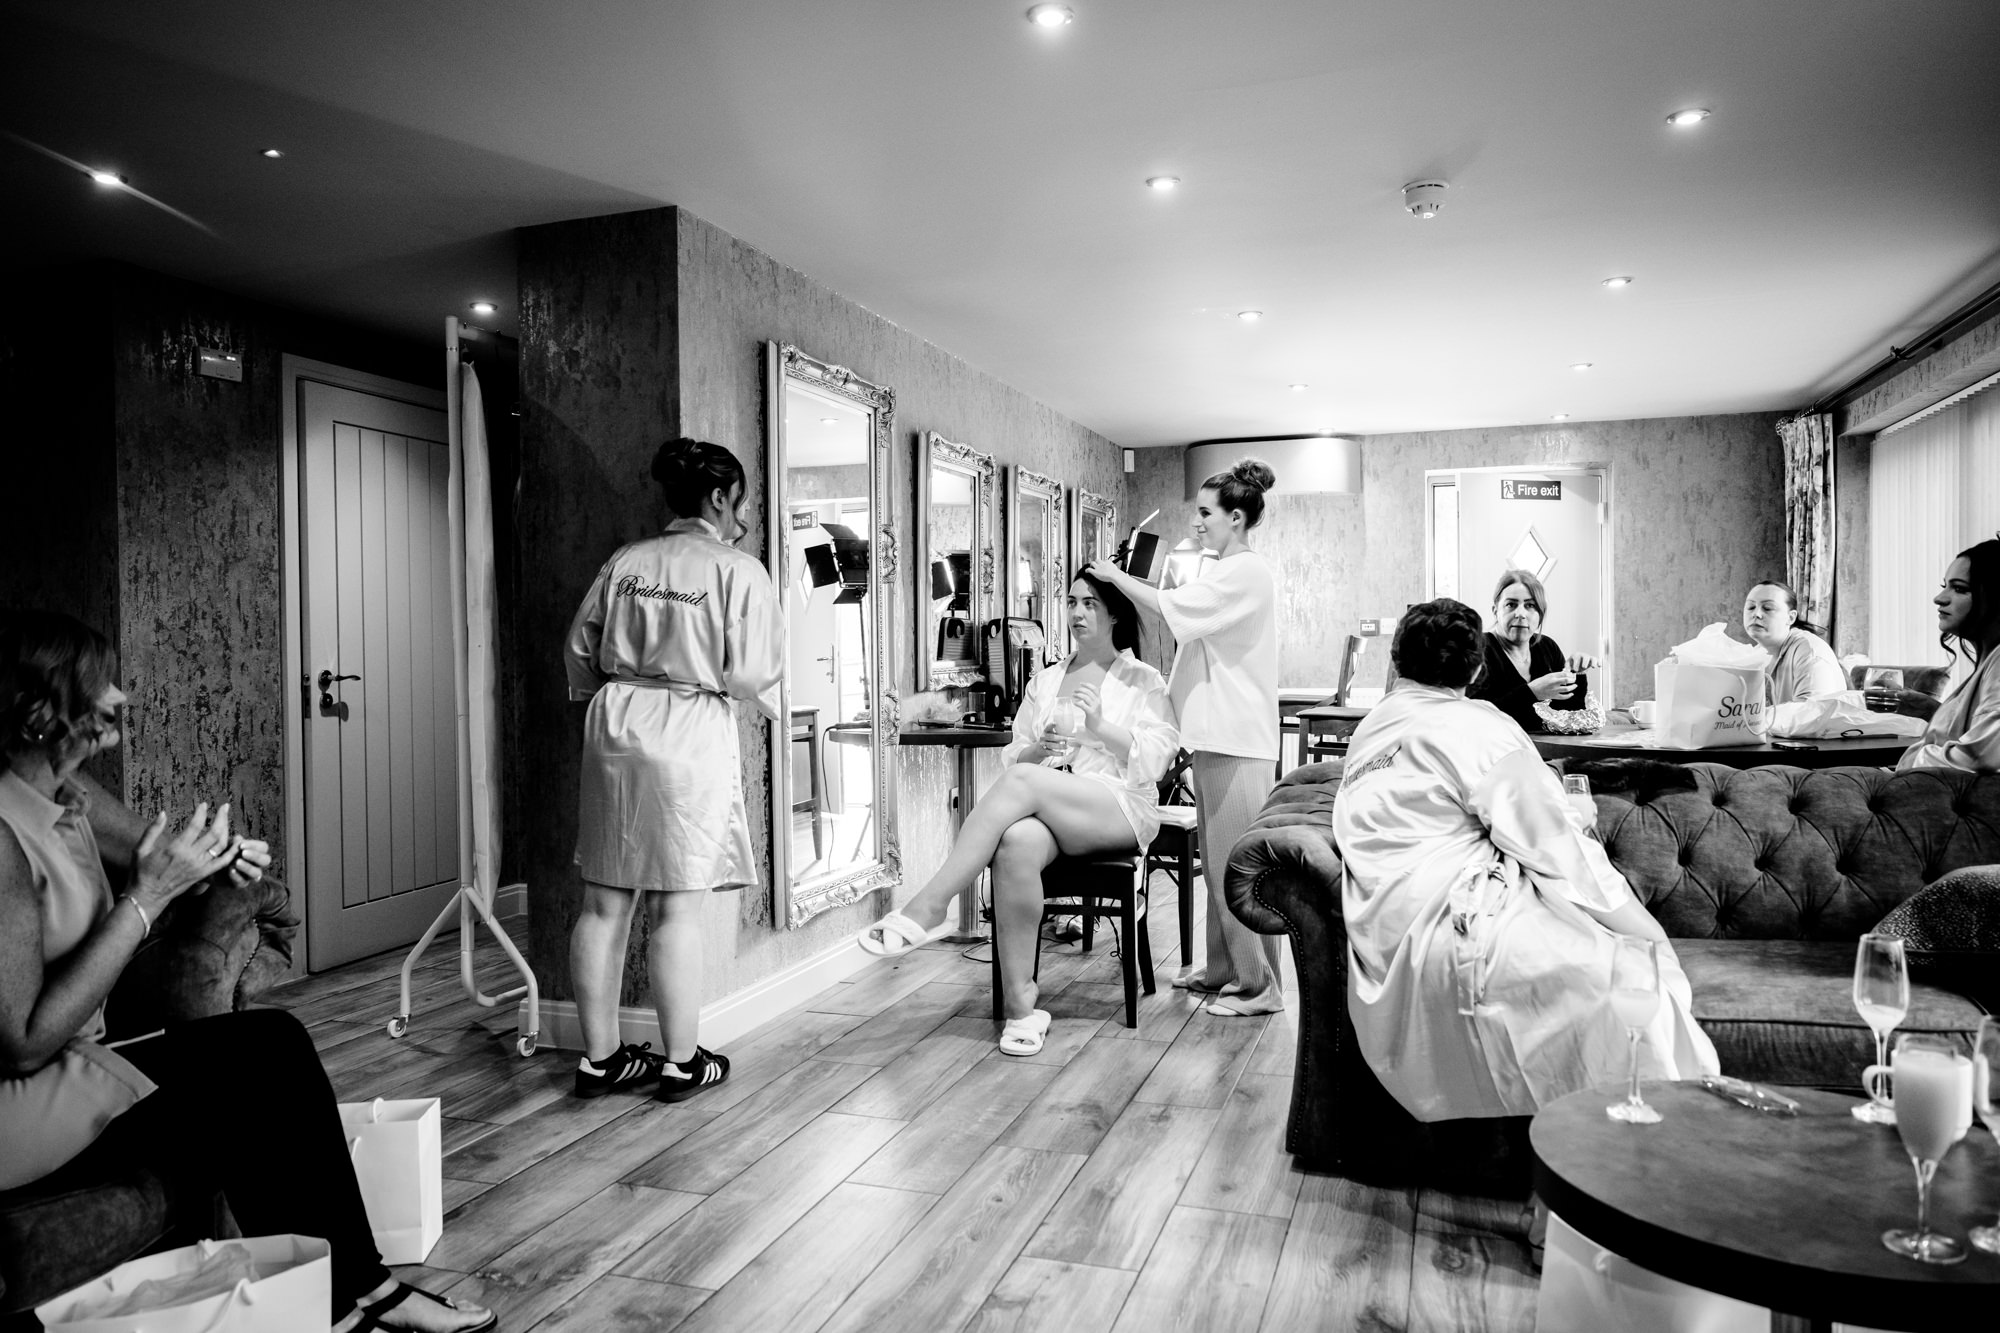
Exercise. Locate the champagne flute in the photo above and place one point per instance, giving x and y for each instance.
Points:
(1576, 789)
(1635, 998)
(1933, 1087)
(1881, 997)
(1986, 1104)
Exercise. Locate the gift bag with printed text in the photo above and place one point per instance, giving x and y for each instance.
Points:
(398, 1159)
(260, 1284)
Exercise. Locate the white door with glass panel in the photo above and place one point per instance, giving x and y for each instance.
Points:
(1552, 522)
(380, 730)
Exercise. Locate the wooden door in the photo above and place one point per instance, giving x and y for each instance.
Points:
(1550, 522)
(381, 733)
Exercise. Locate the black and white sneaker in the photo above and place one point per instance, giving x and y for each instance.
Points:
(680, 1082)
(627, 1068)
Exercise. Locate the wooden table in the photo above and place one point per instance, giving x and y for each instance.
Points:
(1619, 740)
(963, 741)
(1292, 699)
(1784, 1213)
(1329, 720)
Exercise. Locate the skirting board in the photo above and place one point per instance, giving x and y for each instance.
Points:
(726, 1019)
(510, 900)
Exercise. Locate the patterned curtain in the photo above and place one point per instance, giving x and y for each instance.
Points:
(1809, 514)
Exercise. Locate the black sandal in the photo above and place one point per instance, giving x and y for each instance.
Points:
(372, 1311)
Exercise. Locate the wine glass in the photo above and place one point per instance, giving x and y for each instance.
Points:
(1933, 1089)
(1881, 997)
(1986, 1104)
(1635, 998)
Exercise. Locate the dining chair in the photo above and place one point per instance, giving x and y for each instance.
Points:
(1089, 887)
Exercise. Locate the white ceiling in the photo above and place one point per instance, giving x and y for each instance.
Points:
(979, 181)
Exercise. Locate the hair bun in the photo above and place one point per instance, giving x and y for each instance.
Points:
(1254, 472)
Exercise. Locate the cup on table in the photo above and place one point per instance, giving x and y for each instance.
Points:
(1644, 712)
(1933, 1110)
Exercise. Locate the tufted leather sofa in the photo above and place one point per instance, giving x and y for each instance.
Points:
(1764, 877)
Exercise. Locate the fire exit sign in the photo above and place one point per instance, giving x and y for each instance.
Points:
(1524, 488)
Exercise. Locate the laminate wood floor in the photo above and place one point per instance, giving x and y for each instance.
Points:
(875, 1164)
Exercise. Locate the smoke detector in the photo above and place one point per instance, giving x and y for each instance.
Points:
(1424, 198)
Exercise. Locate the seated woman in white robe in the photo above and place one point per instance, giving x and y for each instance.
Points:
(1964, 730)
(1084, 792)
(1481, 915)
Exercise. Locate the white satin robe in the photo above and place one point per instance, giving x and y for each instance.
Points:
(1965, 730)
(1133, 696)
(1478, 984)
(673, 628)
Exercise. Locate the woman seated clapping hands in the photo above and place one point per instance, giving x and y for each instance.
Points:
(1078, 786)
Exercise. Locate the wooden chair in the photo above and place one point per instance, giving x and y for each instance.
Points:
(805, 731)
(1177, 846)
(1089, 887)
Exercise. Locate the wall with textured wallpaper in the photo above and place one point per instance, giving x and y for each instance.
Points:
(172, 483)
(648, 324)
(1698, 513)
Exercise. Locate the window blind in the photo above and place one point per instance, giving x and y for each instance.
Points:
(1934, 489)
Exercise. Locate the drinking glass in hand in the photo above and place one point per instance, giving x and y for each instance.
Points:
(1881, 997)
(1986, 1105)
(1066, 719)
(1933, 1093)
(1635, 998)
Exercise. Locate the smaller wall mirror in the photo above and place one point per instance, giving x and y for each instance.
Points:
(1036, 580)
(954, 574)
(1093, 529)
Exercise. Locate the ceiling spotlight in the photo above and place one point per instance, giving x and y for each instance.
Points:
(1582, 365)
(829, 421)
(1693, 115)
(1615, 283)
(483, 307)
(1298, 388)
(1560, 416)
(1424, 198)
(1163, 184)
(1249, 316)
(274, 152)
(1051, 16)
(107, 178)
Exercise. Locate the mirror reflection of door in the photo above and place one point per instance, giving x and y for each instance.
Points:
(1030, 556)
(947, 585)
(826, 487)
(1551, 522)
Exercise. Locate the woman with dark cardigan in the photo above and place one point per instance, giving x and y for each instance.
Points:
(1523, 666)
(238, 1103)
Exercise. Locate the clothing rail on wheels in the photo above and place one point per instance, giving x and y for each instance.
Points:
(470, 505)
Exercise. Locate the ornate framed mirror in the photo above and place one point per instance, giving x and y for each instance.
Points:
(833, 556)
(1093, 529)
(954, 570)
(1036, 578)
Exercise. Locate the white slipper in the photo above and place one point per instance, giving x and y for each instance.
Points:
(1023, 1036)
(893, 936)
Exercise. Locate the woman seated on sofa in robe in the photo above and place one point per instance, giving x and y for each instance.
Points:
(1525, 667)
(1481, 916)
(1097, 795)
(1964, 729)
(1802, 663)
(219, 1100)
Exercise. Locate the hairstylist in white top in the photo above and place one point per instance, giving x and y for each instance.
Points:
(1225, 690)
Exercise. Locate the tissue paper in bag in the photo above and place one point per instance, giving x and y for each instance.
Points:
(1711, 692)
(293, 1295)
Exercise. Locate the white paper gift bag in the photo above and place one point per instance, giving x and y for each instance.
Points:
(399, 1160)
(1711, 691)
(262, 1284)
(1588, 1289)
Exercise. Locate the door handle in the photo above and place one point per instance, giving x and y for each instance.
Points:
(326, 683)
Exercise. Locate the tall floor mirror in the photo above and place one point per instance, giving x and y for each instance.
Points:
(833, 557)
(955, 573)
(1036, 580)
